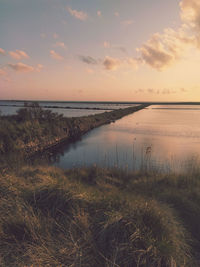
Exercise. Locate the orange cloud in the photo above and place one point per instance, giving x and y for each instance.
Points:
(21, 67)
(190, 14)
(18, 54)
(163, 50)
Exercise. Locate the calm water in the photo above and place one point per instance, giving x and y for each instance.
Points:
(8, 108)
(161, 137)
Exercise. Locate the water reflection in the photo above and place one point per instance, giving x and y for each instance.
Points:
(151, 138)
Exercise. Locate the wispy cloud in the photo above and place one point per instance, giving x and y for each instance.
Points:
(18, 54)
(88, 60)
(2, 51)
(164, 91)
(55, 55)
(81, 15)
(111, 63)
(21, 67)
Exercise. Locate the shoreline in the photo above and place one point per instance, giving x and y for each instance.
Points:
(81, 126)
(38, 129)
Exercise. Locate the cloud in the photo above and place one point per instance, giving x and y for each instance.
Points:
(164, 49)
(150, 90)
(163, 91)
(60, 44)
(55, 55)
(133, 62)
(99, 14)
(78, 14)
(190, 14)
(156, 54)
(39, 67)
(3, 72)
(18, 54)
(116, 14)
(111, 63)
(88, 60)
(127, 22)
(21, 67)
(2, 51)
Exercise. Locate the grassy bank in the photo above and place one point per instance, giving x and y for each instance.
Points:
(34, 129)
(97, 217)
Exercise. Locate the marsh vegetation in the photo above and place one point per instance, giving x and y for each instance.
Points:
(98, 217)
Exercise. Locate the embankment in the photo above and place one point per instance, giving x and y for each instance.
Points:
(34, 129)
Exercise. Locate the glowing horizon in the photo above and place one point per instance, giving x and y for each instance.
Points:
(98, 51)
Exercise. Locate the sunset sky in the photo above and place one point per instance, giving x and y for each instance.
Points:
(101, 50)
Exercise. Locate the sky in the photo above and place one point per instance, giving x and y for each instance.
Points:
(100, 50)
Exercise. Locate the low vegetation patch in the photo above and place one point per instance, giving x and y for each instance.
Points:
(97, 217)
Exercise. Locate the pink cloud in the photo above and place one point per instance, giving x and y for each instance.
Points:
(55, 55)
(21, 67)
(18, 54)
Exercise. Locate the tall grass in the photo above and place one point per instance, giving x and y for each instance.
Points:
(98, 217)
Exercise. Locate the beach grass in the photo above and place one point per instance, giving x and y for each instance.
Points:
(98, 217)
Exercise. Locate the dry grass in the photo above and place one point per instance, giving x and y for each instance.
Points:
(95, 217)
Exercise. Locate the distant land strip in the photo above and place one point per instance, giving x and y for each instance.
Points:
(56, 107)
